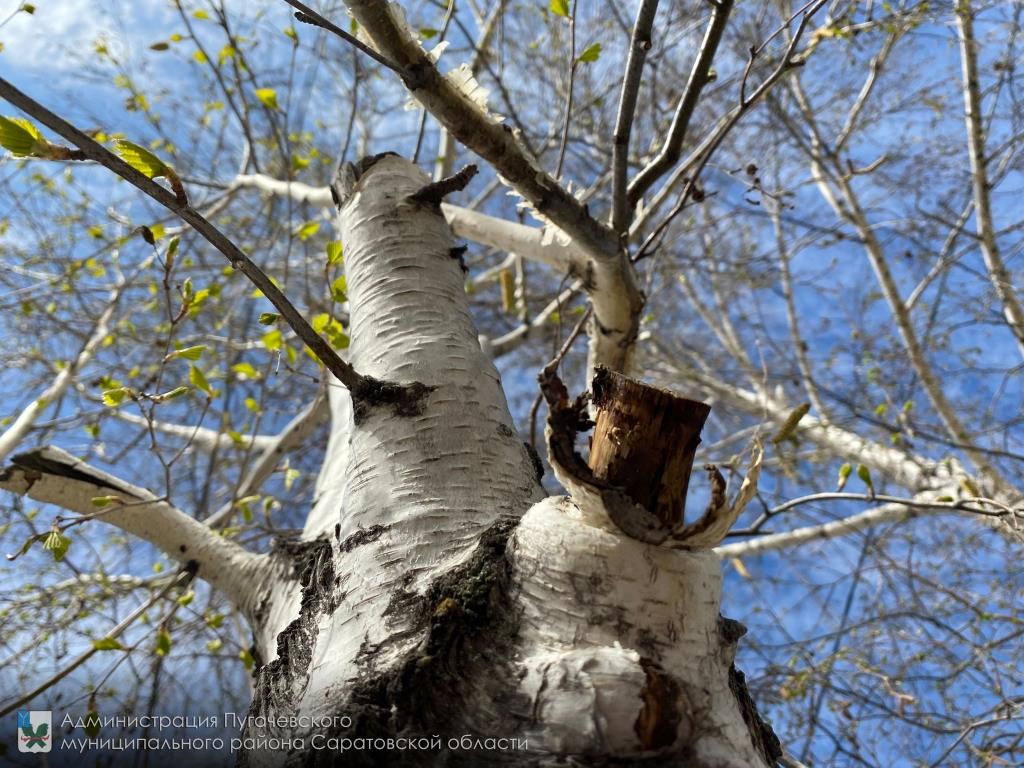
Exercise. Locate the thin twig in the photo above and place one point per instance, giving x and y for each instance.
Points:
(84, 657)
(307, 15)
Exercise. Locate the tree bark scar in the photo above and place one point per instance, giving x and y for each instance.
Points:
(454, 679)
(761, 734)
(404, 399)
(279, 682)
(657, 725)
(35, 464)
(363, 536)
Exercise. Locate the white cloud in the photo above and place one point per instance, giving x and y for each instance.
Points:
(59, 36)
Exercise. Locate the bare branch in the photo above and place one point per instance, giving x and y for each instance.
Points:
(699, 77)
(618, 301)
(639, 45)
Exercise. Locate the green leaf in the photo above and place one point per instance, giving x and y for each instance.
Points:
(246, 370)
(428, 32)
(247, 659)
(214, 645)
(590, 53)
(176, 392)
(103, 501)
(319, 322)
(58, 544)
(865, 475)
(560, 8)
(163, 45)
(107, 644)
(269, 318)
(200, 14)
(187, 598)
(198, 379)
(214, 620)
(187, 353)
(290, 31)
(267, 97)
(163, 642)
(114, 397)
(27, 8)
(141, 159)
(844, 475)
(334, 252)
(172, 249)
(339, 290)
(307, 230)
(21, 137)
(272, 340)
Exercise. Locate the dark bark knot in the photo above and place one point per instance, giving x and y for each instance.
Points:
(403, 399)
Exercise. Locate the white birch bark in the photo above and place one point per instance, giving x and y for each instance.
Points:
(411, 504)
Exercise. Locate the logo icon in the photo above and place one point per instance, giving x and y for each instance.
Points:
(34, 730)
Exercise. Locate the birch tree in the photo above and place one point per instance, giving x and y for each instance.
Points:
(334, 387)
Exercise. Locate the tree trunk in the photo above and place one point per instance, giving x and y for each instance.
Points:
(450, 613)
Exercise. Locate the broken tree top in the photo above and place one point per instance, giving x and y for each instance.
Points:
(644, 442)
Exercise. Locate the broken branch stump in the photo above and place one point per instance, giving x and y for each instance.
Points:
(644, 442)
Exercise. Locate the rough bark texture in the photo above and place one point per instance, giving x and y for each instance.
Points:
(424, 603)
(644, 441)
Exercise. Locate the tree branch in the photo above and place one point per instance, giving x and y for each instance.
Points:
(895, 511)
(53, 476)
(998, 274)
(14, 434)
(639, 45)
(295, 433)
(546, 245)
(79, 660)
(699, 77)
(616, 296)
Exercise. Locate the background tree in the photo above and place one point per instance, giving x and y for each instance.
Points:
(802, 214)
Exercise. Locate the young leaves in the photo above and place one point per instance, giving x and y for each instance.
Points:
(150, 166)
(590, 54)
(22, 138)
(107, 644)
(267, 97)
(57, 543)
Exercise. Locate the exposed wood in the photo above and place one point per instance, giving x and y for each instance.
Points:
(644, 442)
